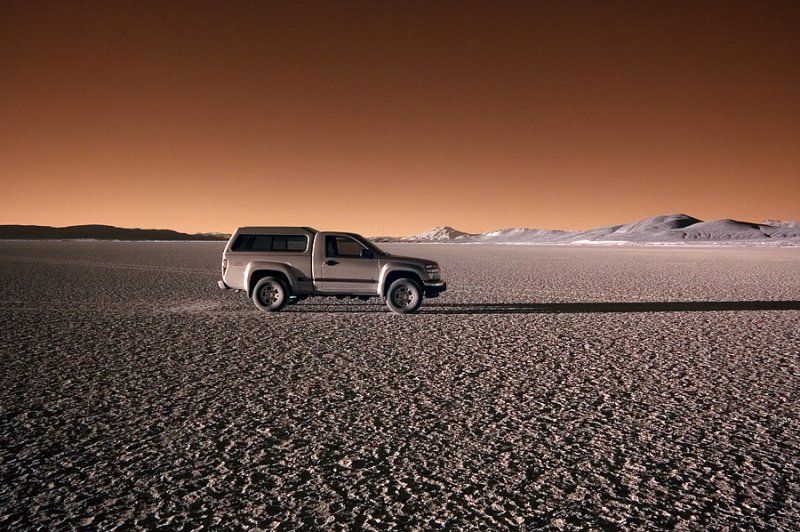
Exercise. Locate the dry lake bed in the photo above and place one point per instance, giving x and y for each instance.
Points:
(550, 387)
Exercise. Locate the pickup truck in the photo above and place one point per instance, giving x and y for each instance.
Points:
(283, 265)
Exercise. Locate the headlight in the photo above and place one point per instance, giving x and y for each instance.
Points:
(432, 268)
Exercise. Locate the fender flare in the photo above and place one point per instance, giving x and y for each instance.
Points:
(279, 267)
(411, 270)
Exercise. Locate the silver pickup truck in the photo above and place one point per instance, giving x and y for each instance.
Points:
(280, 265)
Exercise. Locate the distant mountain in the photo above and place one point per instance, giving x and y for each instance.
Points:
(437, 234)
(517, 236)
(792, 224)
(658, 224)
(665, 229)
(725, 230)
(98, 232)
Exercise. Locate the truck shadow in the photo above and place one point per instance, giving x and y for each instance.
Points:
(603, 307)
(429, 308)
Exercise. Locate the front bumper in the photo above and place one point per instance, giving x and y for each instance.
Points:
(434, 288)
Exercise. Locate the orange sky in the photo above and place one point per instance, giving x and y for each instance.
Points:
(394, 117)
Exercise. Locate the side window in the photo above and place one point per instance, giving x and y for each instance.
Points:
(263, 243)
(278, 243)
(293, 243)
(253, 243)
(342, 246)
(243, 243)
(330, 246)
(296, 243)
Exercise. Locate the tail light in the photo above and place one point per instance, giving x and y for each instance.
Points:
(224, 266)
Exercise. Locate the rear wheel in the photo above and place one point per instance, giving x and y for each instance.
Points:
(270, 294)
(404, 296)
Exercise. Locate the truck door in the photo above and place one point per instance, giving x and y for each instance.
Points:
(348, 267)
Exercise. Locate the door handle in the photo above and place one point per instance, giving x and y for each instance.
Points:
(331, 262)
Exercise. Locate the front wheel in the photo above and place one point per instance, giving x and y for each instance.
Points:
(404, 296)
(270, 294)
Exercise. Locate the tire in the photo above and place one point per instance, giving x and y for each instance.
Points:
(270, 294)
(404, 296)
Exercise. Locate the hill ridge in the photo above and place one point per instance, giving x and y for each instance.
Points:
(99, 232)
(661, 229)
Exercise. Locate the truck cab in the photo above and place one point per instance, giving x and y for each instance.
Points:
(280, 265)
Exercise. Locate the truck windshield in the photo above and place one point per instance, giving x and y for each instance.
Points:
(375, 249)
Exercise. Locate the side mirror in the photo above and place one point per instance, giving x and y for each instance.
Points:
(367, 254)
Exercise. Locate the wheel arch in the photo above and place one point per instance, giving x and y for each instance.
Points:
(394, 275)
(257, 274)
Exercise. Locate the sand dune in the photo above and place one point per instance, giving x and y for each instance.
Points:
(562, 388)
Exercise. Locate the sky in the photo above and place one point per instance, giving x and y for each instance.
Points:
(389, 118)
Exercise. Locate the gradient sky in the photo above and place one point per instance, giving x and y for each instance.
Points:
(394, 117)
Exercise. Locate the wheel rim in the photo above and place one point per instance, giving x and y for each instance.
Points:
(404, 297)
(269, 294)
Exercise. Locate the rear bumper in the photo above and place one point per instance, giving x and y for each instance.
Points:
(223, 286)
(434, 288)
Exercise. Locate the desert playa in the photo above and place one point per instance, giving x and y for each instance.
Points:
(556, 387)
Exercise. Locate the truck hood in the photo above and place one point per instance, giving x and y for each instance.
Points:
(412, 260)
